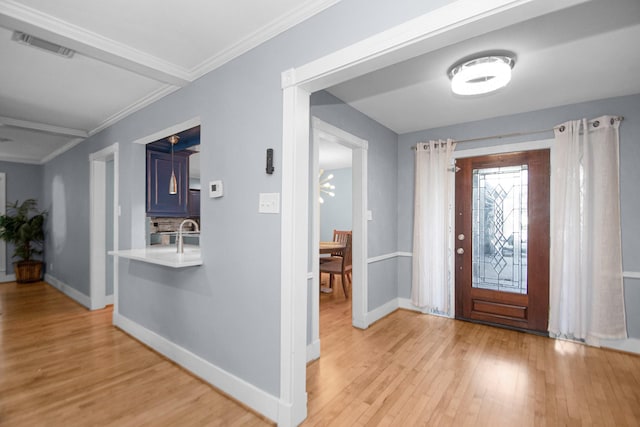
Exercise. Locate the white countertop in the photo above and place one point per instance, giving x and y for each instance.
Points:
(164, 255)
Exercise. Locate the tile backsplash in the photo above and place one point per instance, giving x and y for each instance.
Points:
(162, 225)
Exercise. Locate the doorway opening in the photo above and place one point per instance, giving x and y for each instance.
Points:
(4, 277)
(426, 33)
(104, 212)
(324, 133)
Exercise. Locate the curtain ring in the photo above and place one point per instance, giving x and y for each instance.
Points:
(562, 128)
(596, 124)
(425, 147)
(612, 120)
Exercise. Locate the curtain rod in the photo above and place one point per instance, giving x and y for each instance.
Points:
(509, 135)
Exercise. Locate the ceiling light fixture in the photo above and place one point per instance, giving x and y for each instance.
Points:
(173, 183)
(481, 75)
(29, 40)
(325, 186)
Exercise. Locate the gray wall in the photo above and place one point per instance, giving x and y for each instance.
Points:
(224, 312)
(627, 106)
(66, 195)
(335, 212)
(23, 182)
(382, 184)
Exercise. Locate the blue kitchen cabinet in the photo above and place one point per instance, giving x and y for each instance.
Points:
(159, 202)
(194, 203)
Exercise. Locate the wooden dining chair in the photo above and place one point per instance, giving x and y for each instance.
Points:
(339, 236)
(340, 265)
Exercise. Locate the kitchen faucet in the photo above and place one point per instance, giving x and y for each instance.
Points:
(179, 241)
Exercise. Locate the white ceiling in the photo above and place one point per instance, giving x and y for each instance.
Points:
(579, 54)
(130, 54)
(333, 155)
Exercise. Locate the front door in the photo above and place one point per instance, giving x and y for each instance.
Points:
(502, 239)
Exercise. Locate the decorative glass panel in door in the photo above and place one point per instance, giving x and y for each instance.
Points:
(500, 228)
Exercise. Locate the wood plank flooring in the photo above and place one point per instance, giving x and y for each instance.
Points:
(412, 369)
(61, 365)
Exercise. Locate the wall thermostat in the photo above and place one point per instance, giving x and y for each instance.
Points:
(215, 189)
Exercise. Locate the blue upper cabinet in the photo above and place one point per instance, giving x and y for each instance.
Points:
(159, 201)
(194, 203)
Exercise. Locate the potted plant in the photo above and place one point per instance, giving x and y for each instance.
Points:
(23, 227)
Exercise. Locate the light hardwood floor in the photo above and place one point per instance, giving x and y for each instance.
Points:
(61, 365)
(413, 369)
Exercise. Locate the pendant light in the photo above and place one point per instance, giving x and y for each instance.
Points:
(173, 183)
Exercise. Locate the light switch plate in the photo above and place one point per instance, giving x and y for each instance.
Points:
(369, 215)
(269, 203)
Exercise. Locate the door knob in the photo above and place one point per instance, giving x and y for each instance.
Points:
(459, 251)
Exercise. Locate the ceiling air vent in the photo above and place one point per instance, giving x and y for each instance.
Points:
(30, 40)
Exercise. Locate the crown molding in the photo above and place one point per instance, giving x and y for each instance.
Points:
(66, 147)
(132, 108)
(17, 16)
(261, 35)
(42, 127)
(135, 106)
(23, 160)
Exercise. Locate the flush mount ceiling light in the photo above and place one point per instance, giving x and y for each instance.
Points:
(481, 75)
(29, 40)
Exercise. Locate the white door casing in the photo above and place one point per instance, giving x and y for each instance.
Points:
(98, 226)
(359, 149)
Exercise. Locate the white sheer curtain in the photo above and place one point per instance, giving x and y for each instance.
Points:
(586, 298)
(432, 236)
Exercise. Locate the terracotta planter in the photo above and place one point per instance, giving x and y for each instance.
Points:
(28, 271)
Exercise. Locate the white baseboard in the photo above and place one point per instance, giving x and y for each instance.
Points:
(108, 300)
(388, 308)
(382, 311)
(631, 345)
(406, 304)
(68, 290)
(7, 277)
(248, 394)
(313, 351)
